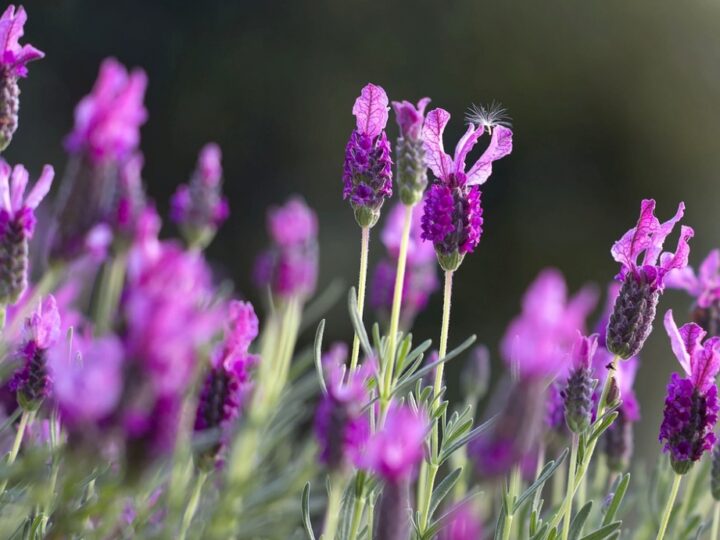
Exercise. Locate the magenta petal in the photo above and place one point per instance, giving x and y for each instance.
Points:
(438, 161)
(679, 259)
(500, 146)
(660, 234)
(683, 341)
(371, 110)
(639, 238)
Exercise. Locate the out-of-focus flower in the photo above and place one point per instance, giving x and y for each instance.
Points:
(199, 207)
(13, 64)
(463, 524)
(704, 287)
(691, 405)
(411, 166)
(17, 223)
(642, 283)
(452, 218)
(367, 173)
(420, 272)
(289, 266)
(32, 381)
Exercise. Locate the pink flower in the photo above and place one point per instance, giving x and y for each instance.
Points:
(42, 327)
(108, 120)
(15, 56)
(538, 341)
(647, 238)
(16, 209)
(410, 118)
(700, 361)
(705, 286)
(292, 224)
(395, 450)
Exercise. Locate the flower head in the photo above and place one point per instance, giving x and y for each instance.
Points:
(691, 405)
(289, 266)
(14, 57)
(396, 448)
(108, 120)
(578, 392)
(410, 118)
(16, 209)
(705, 285)
(367, 173)
(453, 216)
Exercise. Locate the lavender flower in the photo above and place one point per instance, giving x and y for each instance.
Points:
(228, 380)
(17, 224)
(453, 216)
(289, 267)
(411, 167)
(105, 136)
(32, 381)
(13, 64)
(579, 388)
(634, 311)
(341, 427)
(691, 405)
(704, 287)
(420, 273)
(367, 173)
(199, 207)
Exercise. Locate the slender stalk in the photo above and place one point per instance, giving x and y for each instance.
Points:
(692, 477)
(390, 359)
(357, 513)
(510, 495)
(669, 507)
(444, 330)
(12, 456)
(192, 505)
(570, 486)
(362, 279)
(332, 510)
(109, 291)
(716, 522)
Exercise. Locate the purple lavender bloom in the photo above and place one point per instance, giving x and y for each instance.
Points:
(453, 216)
(367, 173)
(691, 405)
(13, 64)
(17, 223)
(397, 447)
(341, 427)
(199, 207)
(578, 391)
(228, 379)
(411, 167)
(108, 120)
(420, 272)
(32, 381)
(704, 287)
(464, 524)
(289, 267)
(642, 283)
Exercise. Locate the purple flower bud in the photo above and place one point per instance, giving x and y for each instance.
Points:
(32, 381)
(13, 64)
(579, 389)
(411, 167)
(131, 199)
(341, 427)
(618, 440)
(199, 207)
(691, 405)
(367, 173)
(289, 267)
(17, 223)
(453, 216)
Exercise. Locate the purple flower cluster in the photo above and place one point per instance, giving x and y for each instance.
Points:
(17, 224)
(691, 406)
(341, 427)
(704, 287)
(642, 283)
(32, 381)
(367, 173)
(199, 207)
(578, 391)
(411, 166)
(289, 266)
(420, 272)
(13, 64)
(453, 216)
(228, 380)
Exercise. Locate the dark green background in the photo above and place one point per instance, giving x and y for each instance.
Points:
(611, 102)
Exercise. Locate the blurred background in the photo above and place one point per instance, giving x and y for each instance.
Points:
(610, 102)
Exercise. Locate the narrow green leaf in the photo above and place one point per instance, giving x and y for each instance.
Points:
(357, 323)
(578, 522)
(447, 450)
(318, 354)
(443, 488)
(307, 524)
(547, 471)
(617, 499)
(540, 535)
(603, 532)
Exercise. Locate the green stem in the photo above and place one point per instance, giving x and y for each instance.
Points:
(332, 511)
(357, 513)
(716, 522)
(510, 496)
(192, 505)
(362, 279)
(12, 456)
(669, 507)
(570, 486)
(390, 359)
(444, 330)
